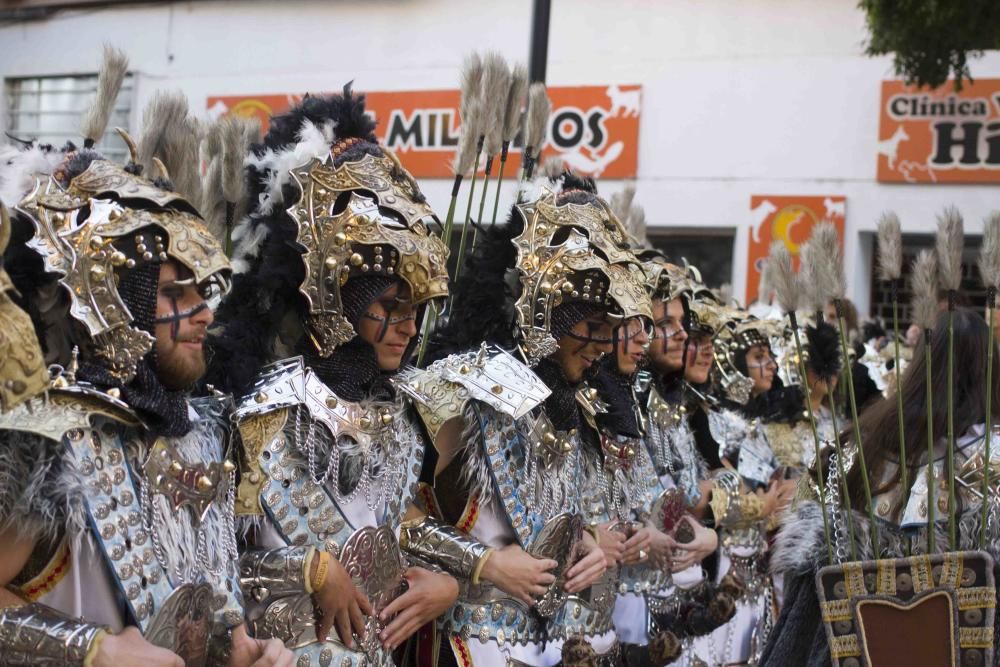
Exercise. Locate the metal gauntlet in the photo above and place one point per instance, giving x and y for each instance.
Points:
(443, 545)
(34, 634)
(274, 572)
(727, 502)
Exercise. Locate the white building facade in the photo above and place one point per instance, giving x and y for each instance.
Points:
(759, 97)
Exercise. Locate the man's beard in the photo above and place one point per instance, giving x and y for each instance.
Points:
(178, 371)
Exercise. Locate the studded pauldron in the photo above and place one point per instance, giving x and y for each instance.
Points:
(443, 545)
(34, 634)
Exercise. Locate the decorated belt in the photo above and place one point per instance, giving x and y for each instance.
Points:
(641, 580)
(588, 613)
(501, 620)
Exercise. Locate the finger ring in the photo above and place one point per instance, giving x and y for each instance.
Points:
(642, 554)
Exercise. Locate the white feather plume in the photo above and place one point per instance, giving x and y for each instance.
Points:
(516, 95)
(948, 244)
(19, 166)
(890, 247)
(537, 119)
(174, 137)
(924, 289)
(470, 112)
(553, 167)
(830, 267)
(496, 82)
(989, 257)
(782, 278)
(109, 83)
(314, 142)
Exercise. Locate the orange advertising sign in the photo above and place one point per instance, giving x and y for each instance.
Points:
(595, 129)
(940, 136)
(789, 219)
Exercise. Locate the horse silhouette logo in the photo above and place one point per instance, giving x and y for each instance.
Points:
(624, 101)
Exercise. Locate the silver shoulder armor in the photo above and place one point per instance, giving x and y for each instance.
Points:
(64, 408)
(279, 385)
(489, 374)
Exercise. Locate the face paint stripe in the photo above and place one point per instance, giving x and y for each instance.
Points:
(177, 317)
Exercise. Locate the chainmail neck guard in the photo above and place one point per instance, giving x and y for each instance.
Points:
(351, 372)
(560, 407)
(615, 389)
(165, 412)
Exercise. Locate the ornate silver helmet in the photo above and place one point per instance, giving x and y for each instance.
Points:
(741, 332)
(572, 252)
(103, 224)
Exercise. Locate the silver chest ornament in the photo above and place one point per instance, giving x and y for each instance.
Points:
(304, 502)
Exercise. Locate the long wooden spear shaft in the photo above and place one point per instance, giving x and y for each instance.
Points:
(468, 210)
(842, 325)
(449, 222)
(432, 314)
(903, 469)
(482, 199)
(952, 536)
(503, 163)
(812, 423)
(991, 296)
(931, 501)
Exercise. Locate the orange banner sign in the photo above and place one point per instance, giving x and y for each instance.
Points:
(595, 129)
(789, 219)
(940, 136)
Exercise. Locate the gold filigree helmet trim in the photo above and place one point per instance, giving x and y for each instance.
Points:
(559, 264)
(666, 281)
(129, 220)
(738, 333)
(22, 366)
(362, 218)
(706, 316)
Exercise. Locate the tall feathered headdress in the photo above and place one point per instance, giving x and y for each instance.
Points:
(109, 83)
(331, 205)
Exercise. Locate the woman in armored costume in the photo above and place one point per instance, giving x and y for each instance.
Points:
(635, 497)
(548, 285)
(116, 491)
(810, 631)
(338, 260)
(685, 446)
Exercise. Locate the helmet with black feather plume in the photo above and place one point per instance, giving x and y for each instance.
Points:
(334, 221)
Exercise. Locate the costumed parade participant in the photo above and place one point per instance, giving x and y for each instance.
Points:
(634, 496)
(702, 446)
(893, 561)
(638, 495)
(696, 604)
(339, 261)
(116, 508)
(550, 285)
(783, 412)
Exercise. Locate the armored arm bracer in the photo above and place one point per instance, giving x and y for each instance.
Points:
(730, 504)
(272, 573)
(441, 544)
(34, 634)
